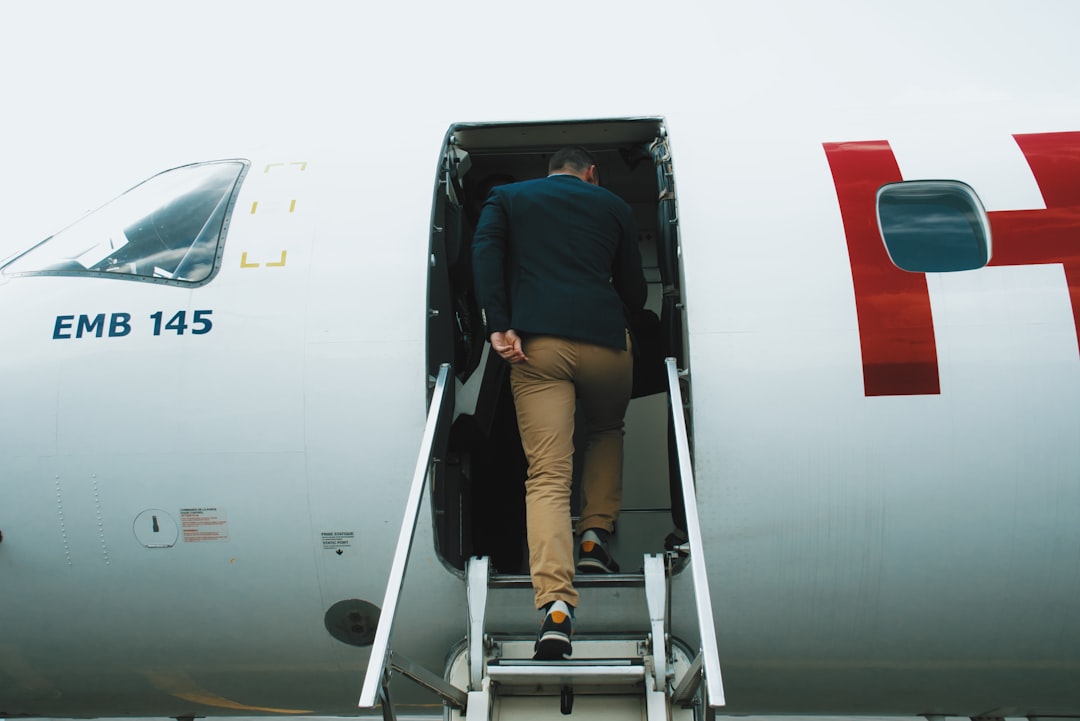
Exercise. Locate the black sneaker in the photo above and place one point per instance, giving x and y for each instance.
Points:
(593, 556)
(553, 641)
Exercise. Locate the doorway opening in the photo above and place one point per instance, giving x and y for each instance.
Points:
(478, 481)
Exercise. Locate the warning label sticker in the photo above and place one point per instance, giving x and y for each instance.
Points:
(204, 524)
(332, 540)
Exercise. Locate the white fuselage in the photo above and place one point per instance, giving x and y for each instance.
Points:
(887, 553)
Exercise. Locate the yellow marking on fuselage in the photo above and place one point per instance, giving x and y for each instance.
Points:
(279, 264)
(183, 687)
(21, 674)
(301, 163)
(244, 263)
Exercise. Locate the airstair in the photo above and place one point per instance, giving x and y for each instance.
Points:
(636, 672)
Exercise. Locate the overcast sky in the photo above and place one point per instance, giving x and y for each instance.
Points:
(97, 96)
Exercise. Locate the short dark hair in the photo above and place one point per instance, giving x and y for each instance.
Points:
(573, 156)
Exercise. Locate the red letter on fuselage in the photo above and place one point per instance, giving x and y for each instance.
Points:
(896, 329)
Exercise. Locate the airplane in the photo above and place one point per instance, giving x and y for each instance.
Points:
(243, 394)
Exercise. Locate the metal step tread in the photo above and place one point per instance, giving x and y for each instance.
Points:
(593, 671)
(626, 579)
(581, 580)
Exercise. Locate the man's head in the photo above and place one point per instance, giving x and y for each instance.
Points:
(575, 160)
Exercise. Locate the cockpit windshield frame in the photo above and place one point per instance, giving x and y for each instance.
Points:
(170, 229)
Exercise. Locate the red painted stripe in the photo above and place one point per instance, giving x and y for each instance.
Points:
(1033, 237)
(896, 328)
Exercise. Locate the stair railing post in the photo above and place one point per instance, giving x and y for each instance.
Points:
(478, 573)
(380, 649)
(714, 685)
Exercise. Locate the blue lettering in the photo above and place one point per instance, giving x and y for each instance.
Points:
(63, 322)
(95, 326)
(119, 325)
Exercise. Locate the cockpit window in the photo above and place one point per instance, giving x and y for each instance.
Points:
(168, 229)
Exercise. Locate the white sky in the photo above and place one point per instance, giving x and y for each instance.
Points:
(97, 96)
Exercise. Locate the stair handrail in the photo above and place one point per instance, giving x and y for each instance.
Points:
(714, 683)
(380, 649)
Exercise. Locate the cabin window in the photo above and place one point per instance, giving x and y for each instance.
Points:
(168, 229)
(933, 226)
(478, 490)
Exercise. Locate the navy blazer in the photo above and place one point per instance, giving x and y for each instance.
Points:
(558, 256)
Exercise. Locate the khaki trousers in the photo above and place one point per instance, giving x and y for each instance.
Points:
(559, 373)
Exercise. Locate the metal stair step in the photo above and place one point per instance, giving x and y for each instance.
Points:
(581, 580)
(593, 672)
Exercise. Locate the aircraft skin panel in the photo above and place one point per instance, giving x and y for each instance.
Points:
(868, 554)
(225, 431)
(842, 497)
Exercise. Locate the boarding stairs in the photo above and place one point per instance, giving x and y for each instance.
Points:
(635, 672)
